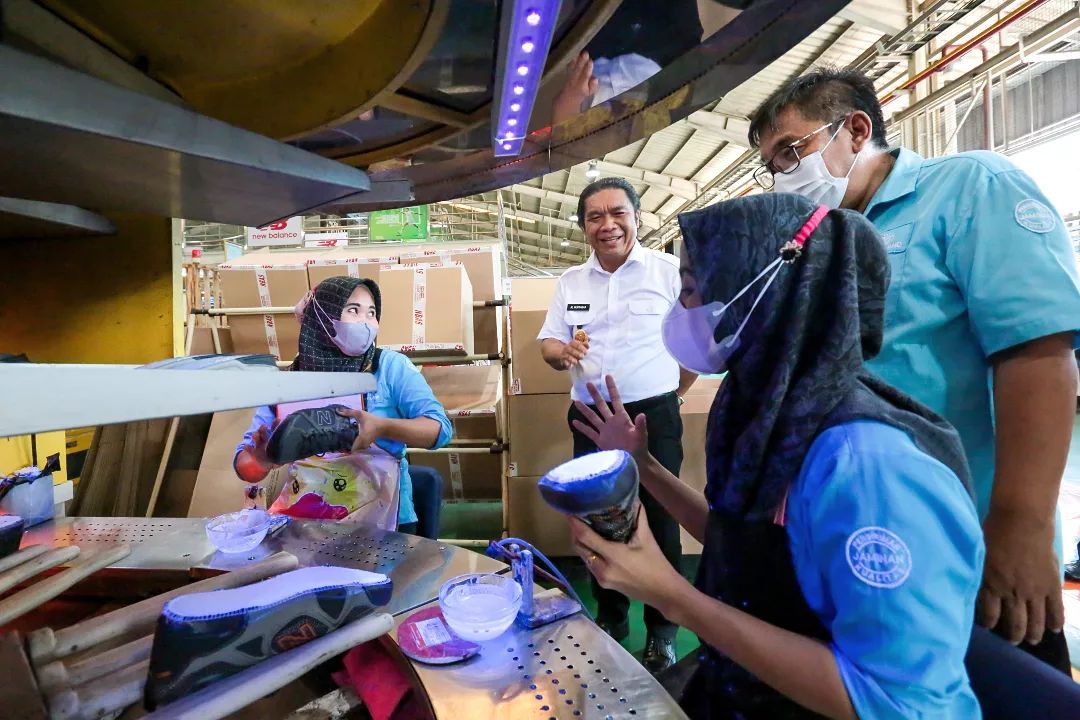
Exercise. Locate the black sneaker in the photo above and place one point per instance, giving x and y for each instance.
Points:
(1072, 571)
(204, 637)
(659, 653)
(619, 631)
(311, 432)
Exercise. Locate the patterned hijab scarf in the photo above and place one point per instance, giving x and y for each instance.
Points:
(799, 367)
(317, 351)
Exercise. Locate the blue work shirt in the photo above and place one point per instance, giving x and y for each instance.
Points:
(981, 262)
(888, 553)
(403, 393)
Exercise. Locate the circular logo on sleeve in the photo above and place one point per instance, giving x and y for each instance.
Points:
(878, 557)
(1034, 216)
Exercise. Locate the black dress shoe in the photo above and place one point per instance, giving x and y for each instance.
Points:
(617, 630)
(1072, 571)
(659, 653)
(310, 432)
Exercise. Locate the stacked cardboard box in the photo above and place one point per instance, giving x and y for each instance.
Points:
(483, 265)
(346, 261)
(539, 436)
(264, 279)
(472, 398)
(425, 307)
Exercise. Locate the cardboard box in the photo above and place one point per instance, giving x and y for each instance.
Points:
(472, 398)
(346, 261)
(483, 264)
(528, 310)
(217, 488)
(277, 334)
(488, 330)
(533, 520)
(426, 308)
(695, 416)
(264, 279)
(539, 436)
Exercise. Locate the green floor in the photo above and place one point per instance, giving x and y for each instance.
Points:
(483, 520)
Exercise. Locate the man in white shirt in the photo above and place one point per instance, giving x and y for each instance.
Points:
(605, 320)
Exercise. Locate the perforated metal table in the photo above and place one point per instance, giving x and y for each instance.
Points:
(568, 669)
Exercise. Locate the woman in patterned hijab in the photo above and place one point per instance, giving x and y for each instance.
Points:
(842, 551)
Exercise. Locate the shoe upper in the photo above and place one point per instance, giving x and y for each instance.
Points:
(309, 432)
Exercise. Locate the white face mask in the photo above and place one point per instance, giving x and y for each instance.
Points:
(689, 334)
(813, 180)
(351, 338)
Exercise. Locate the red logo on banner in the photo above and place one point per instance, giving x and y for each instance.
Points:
(279, 225)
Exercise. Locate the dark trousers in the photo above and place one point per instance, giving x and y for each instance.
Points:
(427, 488)
(665, 444)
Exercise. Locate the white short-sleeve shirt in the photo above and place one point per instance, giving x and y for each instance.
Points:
(621, 312)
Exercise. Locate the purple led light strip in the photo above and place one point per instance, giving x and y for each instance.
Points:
(531, 26)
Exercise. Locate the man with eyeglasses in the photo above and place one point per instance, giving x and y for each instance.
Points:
(981, 319)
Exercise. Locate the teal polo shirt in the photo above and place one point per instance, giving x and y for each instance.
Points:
(981, 262)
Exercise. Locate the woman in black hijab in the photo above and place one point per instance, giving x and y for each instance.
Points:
(339, 322)
(842, 552)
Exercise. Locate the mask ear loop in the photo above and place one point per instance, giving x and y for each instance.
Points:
(318, 310)
(788, 254)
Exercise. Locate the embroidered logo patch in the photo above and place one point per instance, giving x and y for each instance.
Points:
(1034, 216)
(878, 557)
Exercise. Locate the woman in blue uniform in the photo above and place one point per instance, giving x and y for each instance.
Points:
(339, 324)
(842, 552)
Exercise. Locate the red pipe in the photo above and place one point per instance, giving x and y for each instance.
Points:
(965, 48)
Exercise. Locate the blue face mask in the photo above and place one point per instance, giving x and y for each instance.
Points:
(352, 338)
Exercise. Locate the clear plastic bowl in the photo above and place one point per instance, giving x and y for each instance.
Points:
(480, 607)
(238, 532)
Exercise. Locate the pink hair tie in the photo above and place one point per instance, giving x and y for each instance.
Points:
(793, 248)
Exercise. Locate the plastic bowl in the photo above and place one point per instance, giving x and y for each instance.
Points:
(480, 607)
(238, 532)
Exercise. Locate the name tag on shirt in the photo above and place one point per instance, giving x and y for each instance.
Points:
(577, 307)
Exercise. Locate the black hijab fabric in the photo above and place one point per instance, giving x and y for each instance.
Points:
(799, 366)
(317, 351)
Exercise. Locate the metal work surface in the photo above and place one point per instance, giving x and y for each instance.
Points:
(417, 566)
(569, 669)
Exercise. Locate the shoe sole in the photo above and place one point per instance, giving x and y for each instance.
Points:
(204, 637)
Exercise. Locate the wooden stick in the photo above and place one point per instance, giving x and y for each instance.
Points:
(29, 598)
(27, 570)
(45, 645)
(101, 697)
(59, 675)
(18, 558)
(174, 423)
(230, 694)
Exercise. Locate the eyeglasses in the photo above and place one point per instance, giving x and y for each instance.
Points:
(785, 161)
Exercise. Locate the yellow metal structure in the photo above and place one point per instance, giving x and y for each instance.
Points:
(281, 68)
(91, 299)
